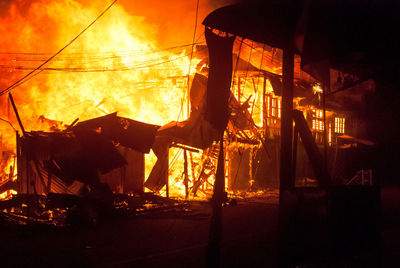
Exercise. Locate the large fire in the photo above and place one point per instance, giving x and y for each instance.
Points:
(124, 64)
(116, 65)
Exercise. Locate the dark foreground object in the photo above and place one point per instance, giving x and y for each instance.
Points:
(178, 237)
(354, 219)
(173, 238)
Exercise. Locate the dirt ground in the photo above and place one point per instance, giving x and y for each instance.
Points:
(172, 239)
(179, 239)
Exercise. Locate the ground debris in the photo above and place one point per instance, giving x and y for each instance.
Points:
(65, 210)
(146, 203)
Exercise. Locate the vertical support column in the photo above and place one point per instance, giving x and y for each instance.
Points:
(185, 168)
(165, 174)
(19, 162)
(286, 180)
(188, 96)
(264, 110)
(25, 162)
(294, 159)
(22, 146)
(325, 127)
(239, 89)
(215, 234)
(16, 113)
(286, 168)
(219, 185)
(122, 170)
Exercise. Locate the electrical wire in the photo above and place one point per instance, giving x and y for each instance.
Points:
(191, 58)
(4, 120)
(141, 65)
(91, 58)
(26, 77)
(105, 53)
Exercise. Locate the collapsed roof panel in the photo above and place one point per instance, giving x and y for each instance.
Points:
(130, 133)
(73, 156)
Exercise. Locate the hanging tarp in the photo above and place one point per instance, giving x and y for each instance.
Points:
(219, 79)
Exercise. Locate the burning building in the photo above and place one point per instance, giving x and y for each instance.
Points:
(167, 90)
(186, 157)
(222, 118)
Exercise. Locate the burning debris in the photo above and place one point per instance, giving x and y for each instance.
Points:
(67, 210)
(253, 128)
(188, 109)
(235, 127)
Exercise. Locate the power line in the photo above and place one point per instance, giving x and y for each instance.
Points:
(140, 65)
(26, 77)
(4, 120)
(106, 52)
(191, 58)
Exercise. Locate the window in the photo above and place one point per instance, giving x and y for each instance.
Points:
(275, 107)
(339, 125)
(317, 120)
(273, 110)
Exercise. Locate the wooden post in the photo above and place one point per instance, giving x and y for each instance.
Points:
(166, 171)
(16, 113)
(264, 110)
(186, 180)
(219, 185)
(295, 142)
(239, 91)
(286, 180)
(325, 135)
(215, 234)
(22, 142)
(188, 96)
(27, 169)
(286, 157)
(19, 162)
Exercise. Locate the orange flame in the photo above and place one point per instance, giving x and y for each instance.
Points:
(115, 66)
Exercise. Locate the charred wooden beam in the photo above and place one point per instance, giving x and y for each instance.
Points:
(16, 113)
(315, 156)
(186, 180)
(186, 148)
(165, 174)
(202, 179)
(72, 125)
